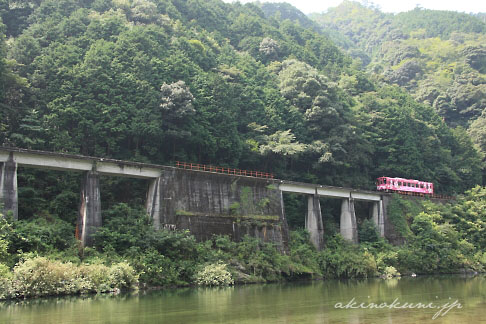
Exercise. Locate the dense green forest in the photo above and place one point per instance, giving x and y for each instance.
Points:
(333, 101)
(438, 56)
(209, 82)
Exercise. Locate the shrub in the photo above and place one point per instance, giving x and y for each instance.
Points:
(5, 288)
(94, 278)
(342, 259)
(368, 232)
(5, 272)
(303, 255)
(386, 258)
(39, 276)
(122, 276)
(41, 235)
(261, 260)
(155, 269)
(215, 274)
(3, 248)
(98, 277)
(390, 272)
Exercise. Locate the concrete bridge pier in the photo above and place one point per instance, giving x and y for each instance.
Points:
(349, 229)
(313, 222)
(152, 203)
(8, 187)
(377, 214)
(89, 218)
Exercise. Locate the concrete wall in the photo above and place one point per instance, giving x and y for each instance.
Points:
(208, 203)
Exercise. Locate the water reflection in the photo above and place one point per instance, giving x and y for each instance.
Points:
(304, 302)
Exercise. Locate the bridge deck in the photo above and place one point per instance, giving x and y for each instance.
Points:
(329, 191)
(72, 162)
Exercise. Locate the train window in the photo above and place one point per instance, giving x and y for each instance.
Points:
(399, 183)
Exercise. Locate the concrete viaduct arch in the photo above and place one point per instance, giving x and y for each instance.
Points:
(348, 225)
(203, 202)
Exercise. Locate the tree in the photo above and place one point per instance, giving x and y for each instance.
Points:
(176, 100)
(269, 48)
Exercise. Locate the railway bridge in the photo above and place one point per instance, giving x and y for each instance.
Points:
(206, 202)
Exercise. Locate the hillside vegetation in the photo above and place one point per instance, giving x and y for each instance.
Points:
(438, 56)
(209, 82)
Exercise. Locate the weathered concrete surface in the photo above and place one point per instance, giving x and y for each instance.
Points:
(8, 187)
(378, 217)
(348, 225)
(208, 203)
(152, 202)
(313, 222)
(89, 218)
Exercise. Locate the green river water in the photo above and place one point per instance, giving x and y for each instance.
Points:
(303, 302)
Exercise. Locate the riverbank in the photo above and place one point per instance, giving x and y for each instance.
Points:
(41, 257)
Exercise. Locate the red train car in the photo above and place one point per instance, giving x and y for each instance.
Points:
(404, 185)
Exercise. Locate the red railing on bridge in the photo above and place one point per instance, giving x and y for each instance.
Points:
(210, 168)
(408, 193)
